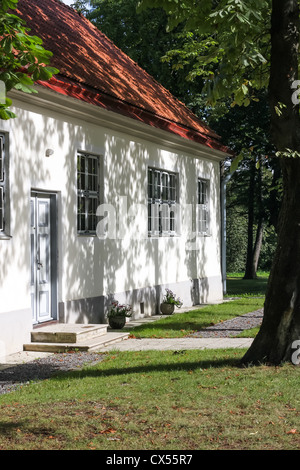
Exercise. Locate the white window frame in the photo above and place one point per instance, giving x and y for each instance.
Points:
(162, 190)
(4, 188)
(88, 191)
(203, 210)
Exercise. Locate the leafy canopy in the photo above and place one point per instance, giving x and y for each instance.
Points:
(226, 41)
(23, 60)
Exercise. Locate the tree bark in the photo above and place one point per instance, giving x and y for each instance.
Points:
(281, 322)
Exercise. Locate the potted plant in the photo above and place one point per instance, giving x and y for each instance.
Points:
(169, 303)
(117, 315)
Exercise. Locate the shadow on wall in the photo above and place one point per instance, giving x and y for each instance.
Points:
(91, 271)
(26, 151)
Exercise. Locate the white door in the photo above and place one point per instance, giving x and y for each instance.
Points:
(41, 265)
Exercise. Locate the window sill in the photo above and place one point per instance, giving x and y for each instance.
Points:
(86, 235)
(4, 236)
(163, 235)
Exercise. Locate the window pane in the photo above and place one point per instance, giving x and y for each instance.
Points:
(202, 206)
(164, 187)
(156, 185)
(1, 210)
(162, 191)
(149, 218)
(88, 192)
(172, 221)
(81, 172)
(92, 183)
(4, 186)
(165, 218)
(1, 158)
(150, 184)
(153, 218)
(202, 192)
(172, 188)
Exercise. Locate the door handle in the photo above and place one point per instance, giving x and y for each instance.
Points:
(39, 265)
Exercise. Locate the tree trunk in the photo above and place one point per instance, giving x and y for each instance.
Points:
(260, 224)
(281, 322)
(257, 246)
(255, 194)
(249, 274)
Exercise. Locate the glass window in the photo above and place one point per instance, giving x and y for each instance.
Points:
(203, 209)
(162, 202)
(4, 187)
(87, 192)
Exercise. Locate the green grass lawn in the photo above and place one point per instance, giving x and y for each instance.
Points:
(161, 400)
(157, 400)
(248, 294)
(237, 286)
(183, 324)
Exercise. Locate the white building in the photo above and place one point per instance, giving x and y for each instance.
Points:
(109, 187)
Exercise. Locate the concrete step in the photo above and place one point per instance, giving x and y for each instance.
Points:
(91, 344)
(67, 333)
(61, 337)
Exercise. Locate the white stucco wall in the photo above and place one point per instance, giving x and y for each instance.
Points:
(88, 266)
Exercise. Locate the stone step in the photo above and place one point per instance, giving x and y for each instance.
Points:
(67, 333)
(90, 344)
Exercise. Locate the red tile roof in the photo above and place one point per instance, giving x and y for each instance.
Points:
(94, 70)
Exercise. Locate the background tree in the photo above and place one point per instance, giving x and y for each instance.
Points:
(251, 190)
(23, 60)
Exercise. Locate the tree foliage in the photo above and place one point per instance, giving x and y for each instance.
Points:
(143, 36)
(23, 60)
(226, 42)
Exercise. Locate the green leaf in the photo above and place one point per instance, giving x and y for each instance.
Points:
(25, 88)
(18, 49)
(6, 114)
(235, 163)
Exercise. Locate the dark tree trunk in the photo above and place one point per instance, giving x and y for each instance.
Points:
(255, 201)
(281, 322)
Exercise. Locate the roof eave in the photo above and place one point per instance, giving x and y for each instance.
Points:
(111, 104)
(72, 102)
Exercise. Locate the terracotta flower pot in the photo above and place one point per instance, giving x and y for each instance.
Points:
(167, 309)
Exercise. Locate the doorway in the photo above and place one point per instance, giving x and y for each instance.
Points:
(43, 241)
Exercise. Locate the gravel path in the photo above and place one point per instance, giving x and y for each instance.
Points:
(40, 369)
(232, 327)
(15, 376)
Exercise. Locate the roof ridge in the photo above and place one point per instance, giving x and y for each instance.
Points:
(64, 5)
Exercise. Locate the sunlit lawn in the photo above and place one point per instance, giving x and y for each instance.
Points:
(185, 323)
(161, 400)
(237, 286)
(157, 400)
(248, 295)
